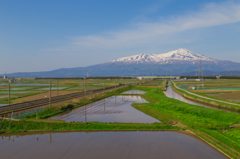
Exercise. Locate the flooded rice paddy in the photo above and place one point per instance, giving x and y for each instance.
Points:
(108, 145)
(111, 109)
(3, 104)
(134, 92)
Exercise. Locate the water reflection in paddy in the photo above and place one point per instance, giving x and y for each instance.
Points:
(3, 104)
(138, 144)
(134, 92)
(111, 109)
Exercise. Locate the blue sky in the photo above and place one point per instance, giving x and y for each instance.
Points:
(51, 34)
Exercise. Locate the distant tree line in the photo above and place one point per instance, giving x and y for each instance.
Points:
(78, 78)
(211, 77)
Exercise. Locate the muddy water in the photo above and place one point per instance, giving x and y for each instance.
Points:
(111, 109)
(171, 94)
(134, 92)
(108, 145)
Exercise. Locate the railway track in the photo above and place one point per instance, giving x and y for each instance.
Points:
(20, 107)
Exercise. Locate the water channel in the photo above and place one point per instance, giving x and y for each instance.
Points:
(171, 94)
(3, 104)
(108, 145)
(30, 84)
(111, 109)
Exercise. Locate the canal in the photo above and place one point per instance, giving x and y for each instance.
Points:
(171, 94)
(3, 104)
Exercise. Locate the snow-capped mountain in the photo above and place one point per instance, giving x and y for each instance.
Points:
(177, 62)
(176, 56)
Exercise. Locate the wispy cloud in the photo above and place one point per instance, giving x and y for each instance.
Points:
(149, 33)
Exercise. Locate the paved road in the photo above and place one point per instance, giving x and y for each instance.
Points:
(204, 97)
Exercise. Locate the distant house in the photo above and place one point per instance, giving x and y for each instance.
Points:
(218, 77)
(5, 77)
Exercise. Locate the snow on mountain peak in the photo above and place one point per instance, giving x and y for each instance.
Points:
(169, 57)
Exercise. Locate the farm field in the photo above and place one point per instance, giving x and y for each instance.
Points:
(222, 83)
(31, 89)
(43, 95)
(214, 126)
(226, 89)
(233, 96)
(153, 83)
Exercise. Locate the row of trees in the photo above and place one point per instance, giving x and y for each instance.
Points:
(77, 78)
(211, 77)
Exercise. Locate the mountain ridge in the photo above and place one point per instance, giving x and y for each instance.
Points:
(175, 62)
(164, 58)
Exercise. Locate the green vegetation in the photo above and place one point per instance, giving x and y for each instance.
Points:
(76, 78)
(211, 77)
(16, 126)
(164, 85)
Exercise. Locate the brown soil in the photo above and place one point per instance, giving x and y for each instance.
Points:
(213, 91)
(150, 86)
(232, 95)
(77, 82)
(42, 95)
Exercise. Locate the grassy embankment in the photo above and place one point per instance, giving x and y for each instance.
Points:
(14, 126)
(164, 85)
(208, 101)
(210, 124)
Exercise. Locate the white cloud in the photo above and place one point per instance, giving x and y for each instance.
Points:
(151, 33)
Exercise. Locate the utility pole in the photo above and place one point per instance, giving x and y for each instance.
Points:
(9, 95)
(50, 93)
(104, 85)
(104, 104)
(57, 87)
(84, 86)
(85, 114)
(200, 76)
